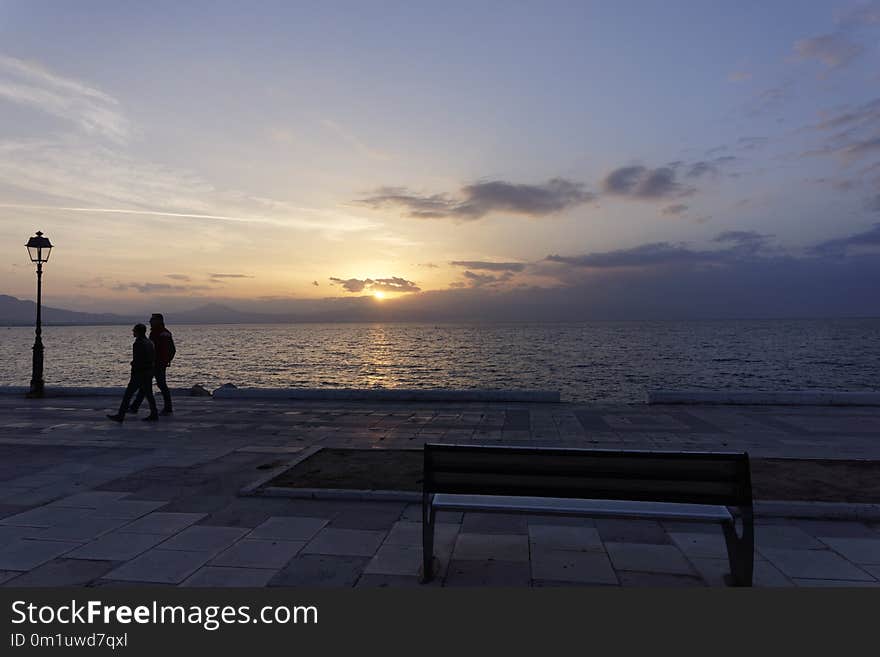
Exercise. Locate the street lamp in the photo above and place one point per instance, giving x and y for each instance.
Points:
(39, 248)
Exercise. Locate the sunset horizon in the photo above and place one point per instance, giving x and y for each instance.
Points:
(326, 160)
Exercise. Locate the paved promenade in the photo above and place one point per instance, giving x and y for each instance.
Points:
(84, 501)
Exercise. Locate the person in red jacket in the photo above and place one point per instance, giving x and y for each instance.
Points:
(165, 350)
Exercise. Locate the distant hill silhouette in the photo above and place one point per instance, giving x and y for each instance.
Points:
(18, 312)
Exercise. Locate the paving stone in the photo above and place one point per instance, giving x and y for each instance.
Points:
(249, 553)
(488, 573)
(494, 523)
(64, 572)
(553, 584)
(413, 513)
(25, 553)
(127, 508)
(700, 544)
(403, 560)
(552, 537)
(345, 542)
(835, 583)
(631, 531)
(45, 516)
(376, 520)
(117, 546)
(161, 522)
(858, 550)
(217, 576)
(785, 536)
(89, 499)
(289, 528)
(317, 570)
(571, 566)
(376, 581)
(9, 534)
(874, 570)
(647, 557)
(201, 538)
(82, 529)
(6, 575)
(837, 529)
(500, 547)
(714, 571)
(409, 533)
(814, 564)
(658, 580)
(162, 566)
(247, 512)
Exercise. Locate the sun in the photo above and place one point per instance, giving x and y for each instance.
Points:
(378, 295)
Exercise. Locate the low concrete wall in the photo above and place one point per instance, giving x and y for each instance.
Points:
(749, 397)
(388, 394)
(81, 391)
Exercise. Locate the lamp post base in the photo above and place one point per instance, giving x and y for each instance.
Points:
(37, 390)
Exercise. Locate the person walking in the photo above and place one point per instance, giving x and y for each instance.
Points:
(163, 341)
(142, 363)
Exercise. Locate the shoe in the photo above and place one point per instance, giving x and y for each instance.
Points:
(116, 418)
(132, 409)
(166, 411)
(151, 418)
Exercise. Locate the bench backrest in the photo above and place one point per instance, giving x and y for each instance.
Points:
(683, 477)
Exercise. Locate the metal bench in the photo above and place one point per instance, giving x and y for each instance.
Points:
(690, 486)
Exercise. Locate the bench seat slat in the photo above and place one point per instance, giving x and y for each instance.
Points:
(567, 506)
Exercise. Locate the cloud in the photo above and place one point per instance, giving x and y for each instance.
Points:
(394, 284)
(222, 276)
(873, 203)
(90, 110)
(92, 178)
(352, 284)
(834, 50)
(485, 280)
(709, 167)
(178, 277)
(655, 254)
(480, 199)
(639, 182)
(315, 283)
(868, 240)
(738, 244)
(150, 288)
(674, 210)
(743, 242)
(489, 266)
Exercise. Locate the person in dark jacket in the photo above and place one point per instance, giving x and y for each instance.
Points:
(164, 343)
(143, 360)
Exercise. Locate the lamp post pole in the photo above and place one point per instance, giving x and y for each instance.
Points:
(37, 383)
(39, 248)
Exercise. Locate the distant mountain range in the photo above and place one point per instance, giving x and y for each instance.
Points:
(18, 312)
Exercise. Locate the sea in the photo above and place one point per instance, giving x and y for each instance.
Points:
(603, 361)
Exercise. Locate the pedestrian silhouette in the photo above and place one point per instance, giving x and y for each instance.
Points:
(142, 363)
(164, 344)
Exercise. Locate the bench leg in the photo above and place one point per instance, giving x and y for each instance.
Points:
(427, 541)
(741, 550)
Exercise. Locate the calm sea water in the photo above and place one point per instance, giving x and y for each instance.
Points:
(593, 361)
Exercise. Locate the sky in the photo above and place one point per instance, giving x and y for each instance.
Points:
(480, 160)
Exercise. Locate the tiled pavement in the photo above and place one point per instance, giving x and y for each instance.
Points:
(87, 502)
